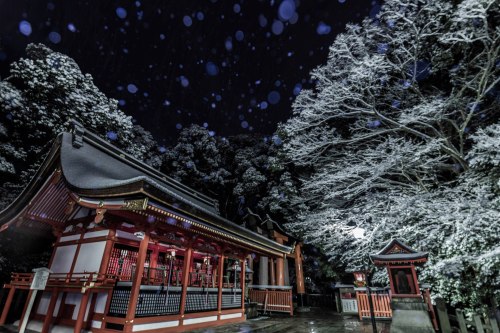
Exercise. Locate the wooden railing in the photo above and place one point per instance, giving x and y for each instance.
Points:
(272, 300)
(21, 279)
(85, 279)
(381, 305)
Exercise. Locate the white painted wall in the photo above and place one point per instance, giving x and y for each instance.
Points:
(230, 316)
(199, 320)
(89, 257)
(63, 258)
(100, 303)
(74, 298)
(153, 326)
(44, 303)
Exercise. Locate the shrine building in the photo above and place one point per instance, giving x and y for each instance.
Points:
(138, 251)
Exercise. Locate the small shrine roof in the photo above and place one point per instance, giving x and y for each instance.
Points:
(398, 252)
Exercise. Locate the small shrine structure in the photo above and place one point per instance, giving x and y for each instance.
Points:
(135, 250)
(400, 261)
(412, 310)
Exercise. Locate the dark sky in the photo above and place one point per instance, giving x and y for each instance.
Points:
(232, 66)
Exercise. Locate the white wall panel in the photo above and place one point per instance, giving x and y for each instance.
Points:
(63, 259)
(89, 257)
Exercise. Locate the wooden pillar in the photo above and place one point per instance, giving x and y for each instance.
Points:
(391, 282)
(108, 249)
(250, 265)
(280, 271)
(8, 303)
(49, 317)
(153, 261)
(242, 283)
(220, 269)
(81, 312)
(287, 272)
(280, 265)
(185, 278)
(136, 283)
(299, 271)
(414, 275)
(263, 270)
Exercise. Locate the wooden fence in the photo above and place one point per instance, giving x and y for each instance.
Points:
(381, 306)
(272, 300)
(458, 323)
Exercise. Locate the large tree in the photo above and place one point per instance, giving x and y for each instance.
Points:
(398, 140)
(240, 171)
(42, 93)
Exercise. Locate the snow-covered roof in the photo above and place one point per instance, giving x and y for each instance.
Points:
(92, 168)
(397, 251)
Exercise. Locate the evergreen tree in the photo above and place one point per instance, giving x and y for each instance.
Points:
(43, 92)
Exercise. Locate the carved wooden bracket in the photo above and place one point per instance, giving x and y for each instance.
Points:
(99, 215)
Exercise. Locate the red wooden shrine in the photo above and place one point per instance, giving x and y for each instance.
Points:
(135, 250)
(400, 261)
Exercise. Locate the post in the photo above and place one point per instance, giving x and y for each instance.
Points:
(8, 303)
(27, 310)
(220, 268)
(81, 312)
(108, 248)
(250, 265)
(372, 313)
(287, 272)
(444, 322)
(280, 274)
(242, 283)
(185, 278)
(461, 321)
(263, 271)
(299, 274)
(50, 311)
(478, 323)
(136, 284)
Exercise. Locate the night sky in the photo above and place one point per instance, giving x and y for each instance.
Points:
(231, 66)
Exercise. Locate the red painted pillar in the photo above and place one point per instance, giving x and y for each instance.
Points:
(185, 278)
(280, 271)
(50, 311)
(299, 271)
(136, 283)
(220, 278)
(242, 284)
(8, 303)
(81, 312)
(108, 249)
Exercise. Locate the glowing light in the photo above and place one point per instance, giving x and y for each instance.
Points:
(25, 28)
(121, 12)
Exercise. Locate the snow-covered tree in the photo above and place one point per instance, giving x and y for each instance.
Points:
(398, 139)
(43, 92)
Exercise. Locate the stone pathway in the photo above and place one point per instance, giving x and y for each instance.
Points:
(316, 321)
